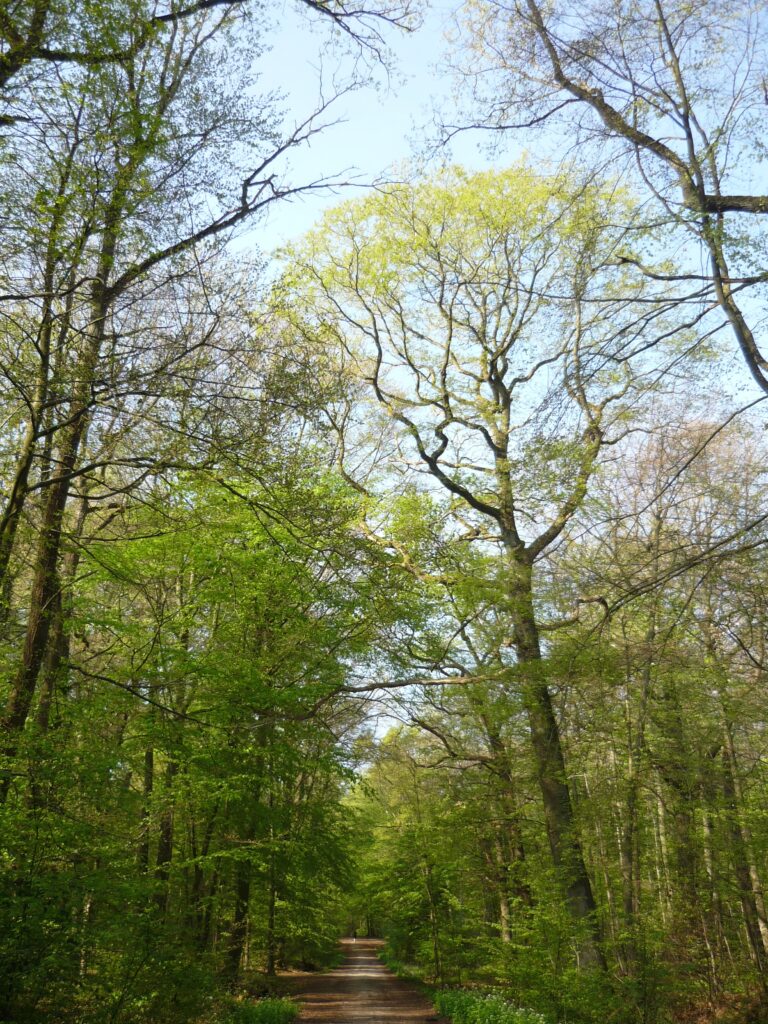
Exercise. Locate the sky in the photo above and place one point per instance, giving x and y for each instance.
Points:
(380, 127)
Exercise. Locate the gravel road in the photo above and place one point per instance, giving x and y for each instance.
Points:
(362, 991)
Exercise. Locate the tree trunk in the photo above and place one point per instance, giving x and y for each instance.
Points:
(42, 604)
(197, 900)
(508, 849)
(271, 906)
(629, 821)
(57, 655)
(165, 838)
(207, 934)
(434, 923)
(45, 574)
(11, 515)
(146, 810)
(239, 918)
(502, 881)
(754, 874)
(741, 870)
(675, 765)
(562, 831)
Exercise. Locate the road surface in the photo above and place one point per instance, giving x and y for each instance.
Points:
(362, 991)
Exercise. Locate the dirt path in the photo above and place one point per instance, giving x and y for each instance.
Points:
(361, 991)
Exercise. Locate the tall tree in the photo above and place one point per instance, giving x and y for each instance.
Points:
(465, 304)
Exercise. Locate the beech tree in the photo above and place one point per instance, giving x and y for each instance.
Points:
(130, 167)
(663, 788)
(679, 89)
(464, 303)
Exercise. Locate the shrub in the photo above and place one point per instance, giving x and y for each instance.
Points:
(474, 1008)
(264, 1011)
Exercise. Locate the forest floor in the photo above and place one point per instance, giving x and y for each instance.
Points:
(360, 991)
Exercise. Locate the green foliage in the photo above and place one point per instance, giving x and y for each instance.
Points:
(182, 815)
(227, 637)
(475, 1008)
(265, 1011)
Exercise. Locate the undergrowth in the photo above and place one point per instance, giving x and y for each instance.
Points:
(263, 1011)
(474, 1008)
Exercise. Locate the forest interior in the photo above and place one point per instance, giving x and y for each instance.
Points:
(400, 577)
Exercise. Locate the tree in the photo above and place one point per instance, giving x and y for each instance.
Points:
(680, 88)
(138, 164)
(657, 766)
(50, 34)
(465, 304)
(658, 694)
(184, 806)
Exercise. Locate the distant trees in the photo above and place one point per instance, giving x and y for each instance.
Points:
(667, 807)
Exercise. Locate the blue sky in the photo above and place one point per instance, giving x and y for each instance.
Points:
(381, 127)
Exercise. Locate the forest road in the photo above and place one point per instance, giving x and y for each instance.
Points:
(361, 991)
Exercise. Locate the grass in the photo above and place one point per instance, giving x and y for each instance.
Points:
(263, 1011)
